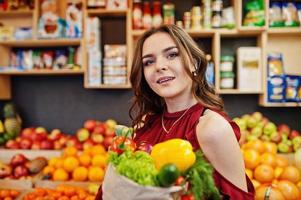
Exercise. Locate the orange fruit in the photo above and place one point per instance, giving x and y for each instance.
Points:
(48, 170)
(96, 174)
(52, 161)
(84, 159)
(281, 161)
(70, 151)
(99, 161)
(4, 193)
(255, 183)
(264, 173)
(269, 159)
(251, 158)
(80, 174)
(97, 150)
(289, 190)
(249, 173)
(270, 147)
(70, 163)
(290, 173)
(262, 192)
(59, 163)
(257, 145)
(278, 171)
(60, 175)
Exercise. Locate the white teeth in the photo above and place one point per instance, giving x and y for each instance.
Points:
(165, 79)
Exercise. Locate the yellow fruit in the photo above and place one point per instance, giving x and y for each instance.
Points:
(59, 163)
(60, 175)
(48, 170)
(291, 173)
(96, 174)
(52, 161)
(70, 163)
(249, 173)
(111, 123)
(70, 151)
(99, 161)
(80, 174)
(251, 158)
(255, 183)
(278, 171)
(84, 159)
(97, 150)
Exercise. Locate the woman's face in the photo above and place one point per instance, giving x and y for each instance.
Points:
(163, 67)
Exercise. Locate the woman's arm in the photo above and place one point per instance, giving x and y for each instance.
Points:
(219, 144)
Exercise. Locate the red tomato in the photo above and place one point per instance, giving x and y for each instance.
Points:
(180, 181)
(121, 143)
(187, 197)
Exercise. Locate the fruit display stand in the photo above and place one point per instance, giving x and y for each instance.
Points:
(7, 154)
(54, 184)
(21, 186)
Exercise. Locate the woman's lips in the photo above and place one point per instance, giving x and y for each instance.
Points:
(165, 79)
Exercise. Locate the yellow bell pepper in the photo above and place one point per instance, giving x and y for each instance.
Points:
(175, 151)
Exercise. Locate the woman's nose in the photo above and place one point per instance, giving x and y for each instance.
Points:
(161, 65)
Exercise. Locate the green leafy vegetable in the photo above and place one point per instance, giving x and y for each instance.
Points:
(137, 166)
(200, 176)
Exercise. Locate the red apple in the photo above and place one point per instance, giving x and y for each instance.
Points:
(82, 134)
(97, 138)
(40, 130)
(276, 137)
(27, 132)
(283, 129)
(71, 141)
(25, 143)
(55, 134)
(20, 171)
(5, 171)
(108, 141)
(79, 146)
(100, 129)
(47, 144)
(12, 144)
(293, 134)
(88, 143)
(90, 125)
(18, 159)
(110, 132)
(63, 140)
(36, 145)
(18, 139)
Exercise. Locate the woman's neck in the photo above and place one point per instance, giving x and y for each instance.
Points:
(176, 105)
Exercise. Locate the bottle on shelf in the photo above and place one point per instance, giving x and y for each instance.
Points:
(147, 18)
(137, 14)
(169, 13)
(157, 16)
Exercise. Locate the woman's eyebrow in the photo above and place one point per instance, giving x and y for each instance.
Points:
(163, 51)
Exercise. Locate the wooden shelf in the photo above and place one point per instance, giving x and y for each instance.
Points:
(252, 29)
(103, 86)
(286, 30)
(106, 12)
(287, 104)
(236, 91)
(16, 13)
(41, 42)
(43, 72)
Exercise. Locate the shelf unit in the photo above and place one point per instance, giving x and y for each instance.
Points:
(268, 39)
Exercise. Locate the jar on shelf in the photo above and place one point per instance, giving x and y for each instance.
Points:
(147, 18)
(196, 17)
(169, 13)
(157, 16)
(187, 20)
(137, 14)
(226, 64)
(227, 80)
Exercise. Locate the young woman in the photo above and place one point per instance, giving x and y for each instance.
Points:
(173, 100)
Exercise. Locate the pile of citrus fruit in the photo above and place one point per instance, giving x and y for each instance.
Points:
(88, 165)
(62, 192)
(9, 194)
(270, 172)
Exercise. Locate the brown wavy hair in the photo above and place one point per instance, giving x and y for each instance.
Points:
(145, 100)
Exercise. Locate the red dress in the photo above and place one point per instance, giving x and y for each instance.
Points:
(186, 129)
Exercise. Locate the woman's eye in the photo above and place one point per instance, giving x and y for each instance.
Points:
(172, 55)
(147, 63)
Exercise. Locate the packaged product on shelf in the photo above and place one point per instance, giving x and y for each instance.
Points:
(196, 17)
(157, 16)
(275, 15)
(168, 13)
(137, 14)
(147, 18)
(290, 14)
(50, 24)
(47, 57)
(210, 70)
(217, 7)
(71, 58)
(37, 60)
(299, 90)
(291, 90)
(60, 59)
(94, 68)
(298, 4)
(228, 20)
(227, 62)
(6, 32)
(227, 80)
(74, 18)
(187, 20)
(249, 69)
(96, 3)
(117, 4)
(27, 59)
(275, 64)
(180, 24)
(207, 13)
(114, 80)
(23, 33)
(255, 15)
(276, 88)
(93, 34)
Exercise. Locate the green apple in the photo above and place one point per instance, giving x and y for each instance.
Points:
(241, 123)
(251, 122)
(269, 128)
(283, 148)
(111, 123)
(257, 116)
(82, 134)
(265, 138)
(251, 137)
(257, 131)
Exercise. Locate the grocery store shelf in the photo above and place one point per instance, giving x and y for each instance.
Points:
(286, 30)
(287, 104)
(106, 12)
(41, 42)
(107, 86)
(16, 13)
(252, 29)
(43, 72)
(236, 91)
